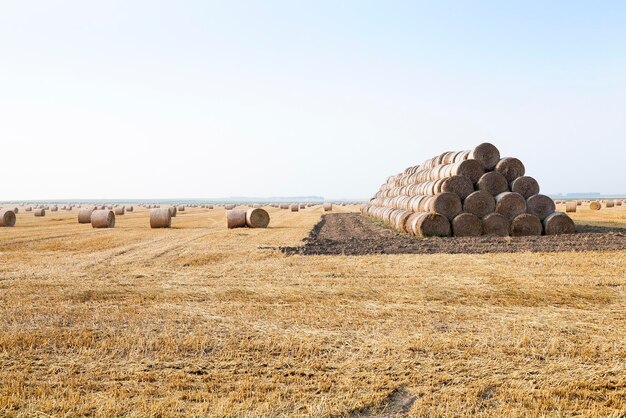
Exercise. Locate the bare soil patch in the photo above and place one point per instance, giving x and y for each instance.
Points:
(353, 234)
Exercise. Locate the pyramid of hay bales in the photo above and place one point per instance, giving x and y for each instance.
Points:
(467, 193)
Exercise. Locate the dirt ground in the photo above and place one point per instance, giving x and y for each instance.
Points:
(353, 234)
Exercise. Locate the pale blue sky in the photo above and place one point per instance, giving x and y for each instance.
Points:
(155, 99)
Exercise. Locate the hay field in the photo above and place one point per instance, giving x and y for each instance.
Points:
(199, 320)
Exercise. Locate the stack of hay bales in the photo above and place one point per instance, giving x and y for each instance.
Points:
(467, 193)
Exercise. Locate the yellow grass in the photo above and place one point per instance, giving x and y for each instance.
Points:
(201, 320)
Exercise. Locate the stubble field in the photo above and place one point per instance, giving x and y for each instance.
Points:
(199, 320)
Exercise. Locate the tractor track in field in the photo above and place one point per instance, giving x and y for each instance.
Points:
(353, 234)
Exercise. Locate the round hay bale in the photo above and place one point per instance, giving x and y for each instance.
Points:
(526, 186)
(510, 204)
(209, 206)
(493, 183)
(558, 223)
(54, 209)
(129, 209)
(40, 212)
(7, 218)
(295, 208)
(235, 218)
(618, 203)
(328, 207)
(495, 224)
(302, 206)
(609, 203)
(479, 203)
(29, 209)
(466, 225)
(446, 204)
(429, 225)
(526, 224)
(595, 205)
(160, 218)
(511, 168)
(16, 211)
(540, 205)
(120, 210)
(229, 207)
(399, 218)
(459, 185)
(472, 169)
(257, 218)
(487, 154)
(172, 210)
(103, 219)
(84, 216)
(571, 206)
(181, 208)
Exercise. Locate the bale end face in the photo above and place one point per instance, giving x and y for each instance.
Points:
(487, 154)
(495, 224)
(7, 218)
(479, 203)
(510, 204)
(540, 205)
(431, 225)
(595, 205)
(511, 168)
(466, 225)
(558, 223)
(526, 224)
(526, 186)
(257, 218)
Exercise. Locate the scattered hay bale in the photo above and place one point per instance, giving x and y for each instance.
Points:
(295, 208)
(120, 210)
(526, 186)
(479, 203)
(595, 205)
(103, 219)
(284, 206)
(558, 223)
(459, 185)
(510, 204)
(40, 212)
(495, 224)
(7, 218)
(511, 168)
(493, 183)
(446, 204)
(257, 218)
(466, 225)
(84, 216)
(540, 205)
(172, 210)
(609, 203)
(526, 224)
(129, 209)
(571, 206)
(487, 154)
(16, 211)
(54, 209)
(235, 218)
(328, 207)
(430, 225)
(181, 208)
(28, 209)
(618, 203)
(160, 218)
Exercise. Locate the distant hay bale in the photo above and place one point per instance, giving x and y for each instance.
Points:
(16, 211)
(257, 218)
(120, 210)
(511, 168)
(493, 182)
(446, 204)
(571, 206)
(29, 209)
(479, 203)
(540, 205)
(229, 207)
(295, 208)
(595, 205)
(40, 212)
(328, 207)
(209, 206)
(302, 206)
(129, 209)
(510, 204)
(487, 154)
(618, 203)
(172, 210)
(526, 224)
(161, 218)
(7, 218)
(558, 223)
(430, 225)
(103, 219)
(526, 186)
(459, 185)
(181, 208)
(495, 224)
(235, 218)
(54, 209)
(609, 203)
(466, 225)
(84, 216)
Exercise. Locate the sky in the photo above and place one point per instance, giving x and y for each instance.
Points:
(202, 99)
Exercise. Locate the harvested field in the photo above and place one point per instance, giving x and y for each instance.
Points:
(199, 320)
